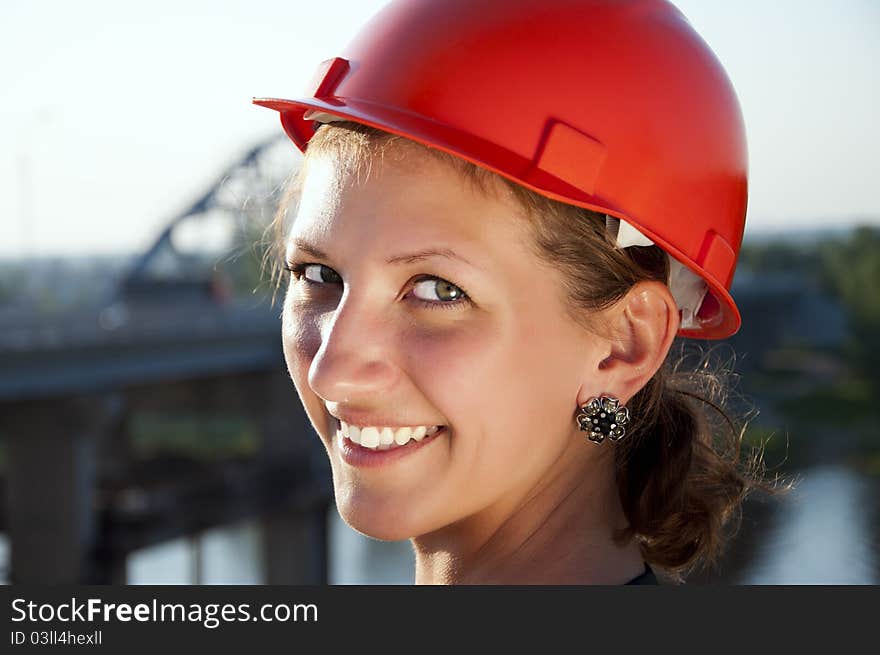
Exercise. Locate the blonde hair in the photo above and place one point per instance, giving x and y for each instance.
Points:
(680, 472)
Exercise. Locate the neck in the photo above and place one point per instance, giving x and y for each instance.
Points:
(561, 532)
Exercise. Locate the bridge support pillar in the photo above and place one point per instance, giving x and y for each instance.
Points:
(51, 488)
(295, 547)
(294, 535)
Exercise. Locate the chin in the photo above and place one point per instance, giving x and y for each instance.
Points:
(383, 521)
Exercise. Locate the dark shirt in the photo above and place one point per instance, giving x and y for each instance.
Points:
(647, 577)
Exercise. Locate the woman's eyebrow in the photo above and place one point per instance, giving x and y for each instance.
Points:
(309, 249)
(425, 254)
(396, 259)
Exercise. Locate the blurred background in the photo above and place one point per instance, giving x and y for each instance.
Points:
(148, 430)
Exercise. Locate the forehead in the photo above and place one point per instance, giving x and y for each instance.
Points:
(402, 198)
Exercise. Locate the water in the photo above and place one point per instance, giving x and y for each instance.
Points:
(225, 555)
(825, 535)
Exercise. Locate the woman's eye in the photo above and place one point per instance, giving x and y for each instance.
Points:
(321, 274)
(436, 290)
(315, 273)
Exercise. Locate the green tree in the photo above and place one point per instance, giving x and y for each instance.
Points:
(779, 256)
(851, 270)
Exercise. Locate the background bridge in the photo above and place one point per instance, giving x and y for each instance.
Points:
(159, 406)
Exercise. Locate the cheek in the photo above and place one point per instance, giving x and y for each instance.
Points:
(479, 357)
(471, 373)
(447, 359)
(508, 411)
(508, 379)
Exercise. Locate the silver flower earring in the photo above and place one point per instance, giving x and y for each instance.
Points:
(603, 417)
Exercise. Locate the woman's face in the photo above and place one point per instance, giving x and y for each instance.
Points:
(473, 336)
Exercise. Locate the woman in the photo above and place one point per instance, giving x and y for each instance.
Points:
(506, 213)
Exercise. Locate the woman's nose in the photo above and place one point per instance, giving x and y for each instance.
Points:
(355, 359)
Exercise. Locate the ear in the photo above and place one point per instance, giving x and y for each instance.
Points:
(644, 323)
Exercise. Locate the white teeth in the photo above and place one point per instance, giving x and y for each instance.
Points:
(385, 438)
(370, 437)
(402, 436)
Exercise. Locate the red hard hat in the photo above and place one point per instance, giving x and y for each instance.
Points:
(613, 105)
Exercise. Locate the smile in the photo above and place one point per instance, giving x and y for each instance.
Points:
(384, 454)
(385, 438)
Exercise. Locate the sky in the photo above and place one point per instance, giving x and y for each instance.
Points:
(115, 115)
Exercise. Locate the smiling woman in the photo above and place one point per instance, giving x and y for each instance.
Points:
(537, 429)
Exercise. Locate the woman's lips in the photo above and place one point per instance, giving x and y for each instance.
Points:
(356, 455)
